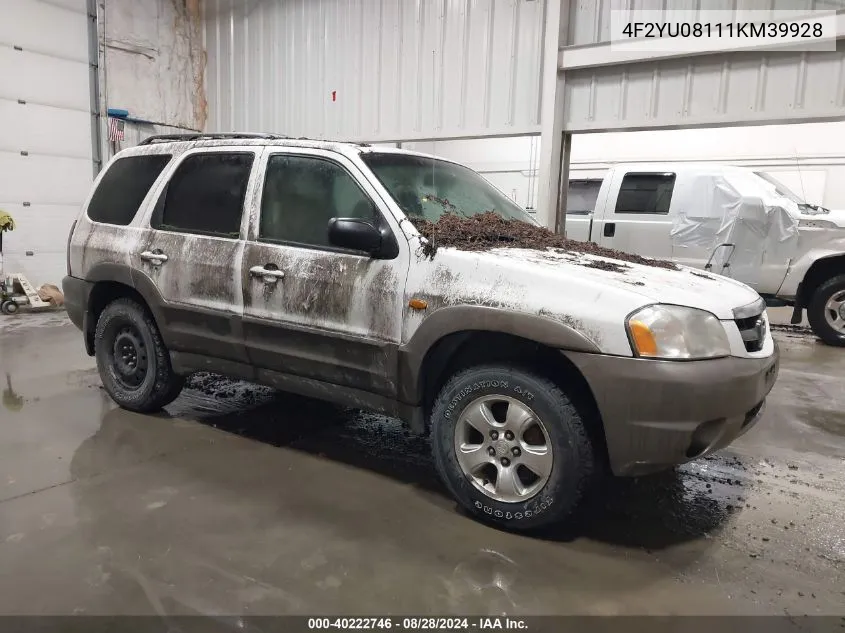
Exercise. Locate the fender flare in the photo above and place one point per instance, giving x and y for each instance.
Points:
(140, 283)
(455, 319)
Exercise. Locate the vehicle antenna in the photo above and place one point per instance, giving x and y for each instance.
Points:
(800, 175)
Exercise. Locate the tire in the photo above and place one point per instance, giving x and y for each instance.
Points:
(126, 331)
(548, 500)
(8, 307)
(828, 329)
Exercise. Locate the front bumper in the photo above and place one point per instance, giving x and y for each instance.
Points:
(657, 414)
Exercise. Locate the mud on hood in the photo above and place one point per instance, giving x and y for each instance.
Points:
(684, 286)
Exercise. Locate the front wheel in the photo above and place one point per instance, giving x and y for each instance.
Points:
(826, 312)
(133, 362)
(511, 447)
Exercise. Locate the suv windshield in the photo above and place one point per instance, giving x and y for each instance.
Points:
(427, 188)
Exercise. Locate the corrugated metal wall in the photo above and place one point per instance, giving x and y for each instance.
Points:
(374, 70)
(699, 90)
(708, 90)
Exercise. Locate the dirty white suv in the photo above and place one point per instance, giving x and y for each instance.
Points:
(299, 264)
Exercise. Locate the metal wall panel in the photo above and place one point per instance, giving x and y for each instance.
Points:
(589, 20)
(44, 179)
(44, 79)
(42, 231)
(708, 90)
(38, 129)
(45, 28)
(375, 70)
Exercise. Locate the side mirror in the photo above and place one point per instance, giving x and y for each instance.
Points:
(354, 234)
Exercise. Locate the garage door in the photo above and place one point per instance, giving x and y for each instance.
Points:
(46, 163)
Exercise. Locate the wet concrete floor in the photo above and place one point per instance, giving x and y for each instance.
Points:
(239, 500)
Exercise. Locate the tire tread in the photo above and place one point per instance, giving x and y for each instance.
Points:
(563, 410)
(167, 386)
(815, 312)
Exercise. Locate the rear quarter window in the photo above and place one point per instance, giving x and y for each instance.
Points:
(123, 188)
(582, 196)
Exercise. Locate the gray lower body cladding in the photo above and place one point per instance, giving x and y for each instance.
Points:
(657, 414)
(76, 292)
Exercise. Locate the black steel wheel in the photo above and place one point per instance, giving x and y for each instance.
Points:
(133, 362)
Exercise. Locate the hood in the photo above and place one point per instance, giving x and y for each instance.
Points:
(640, 283)
(833, 218)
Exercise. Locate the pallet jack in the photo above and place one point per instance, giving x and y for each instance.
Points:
(15, 289)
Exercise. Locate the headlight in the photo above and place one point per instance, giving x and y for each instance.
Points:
(677, 333)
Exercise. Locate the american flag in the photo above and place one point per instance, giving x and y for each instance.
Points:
(115, 129)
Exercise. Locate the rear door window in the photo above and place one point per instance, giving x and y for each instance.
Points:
(124, 187)
(206, 195)
(645, 193)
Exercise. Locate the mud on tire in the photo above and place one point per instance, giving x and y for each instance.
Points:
(127, 337)
(574, 464)
(818, 312)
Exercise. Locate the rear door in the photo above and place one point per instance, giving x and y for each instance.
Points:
(193, 250)
(314, 311)
(637, 214)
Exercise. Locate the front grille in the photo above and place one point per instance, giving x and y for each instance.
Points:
(753, 332)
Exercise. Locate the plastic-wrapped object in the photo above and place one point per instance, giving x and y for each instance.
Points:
(737, 217)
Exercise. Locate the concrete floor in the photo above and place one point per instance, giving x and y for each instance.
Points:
(243, 501)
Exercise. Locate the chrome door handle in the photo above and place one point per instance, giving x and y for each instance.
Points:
(267, 274)
(156, 258)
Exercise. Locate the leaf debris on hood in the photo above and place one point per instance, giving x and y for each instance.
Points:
(489, 230)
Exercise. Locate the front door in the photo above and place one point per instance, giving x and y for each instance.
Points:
(639, 222)
(312, 310)
(193, 250)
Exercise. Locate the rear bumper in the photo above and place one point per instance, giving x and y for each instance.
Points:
(76, 293)
(657, 414)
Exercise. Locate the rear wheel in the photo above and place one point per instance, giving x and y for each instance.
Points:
(133, 362)
(826, 312)
(511, 447)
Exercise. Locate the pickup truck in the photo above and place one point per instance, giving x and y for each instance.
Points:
(794, 256)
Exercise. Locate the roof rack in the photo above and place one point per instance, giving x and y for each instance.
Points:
(168, 138)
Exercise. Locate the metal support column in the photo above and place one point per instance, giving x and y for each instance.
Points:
(94, 70)
(554, 154)
(563, 182)
(103, 81)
